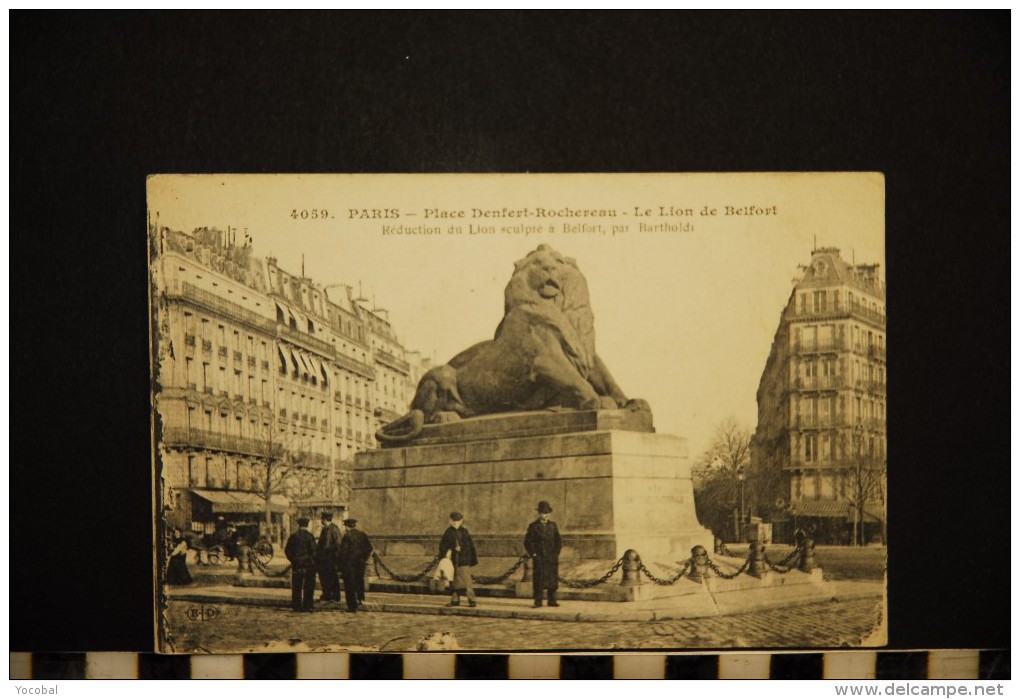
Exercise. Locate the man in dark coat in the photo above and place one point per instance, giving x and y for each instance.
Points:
(328, 559)
(458, 546)
(300, 551)
(355, 548)
(543, 544)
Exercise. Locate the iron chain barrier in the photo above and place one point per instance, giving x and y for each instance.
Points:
(785, 565)
(583, 584)
(728, 576)
(493, 579)
(665, 581)
(263, 568)
(378, 563)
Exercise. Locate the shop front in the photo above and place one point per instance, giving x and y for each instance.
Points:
(221, 517)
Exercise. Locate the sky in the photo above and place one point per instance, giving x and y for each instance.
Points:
(686, 292)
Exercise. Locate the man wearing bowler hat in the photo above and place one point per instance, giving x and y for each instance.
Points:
(543, 544)
(300, 551)
(355, 548)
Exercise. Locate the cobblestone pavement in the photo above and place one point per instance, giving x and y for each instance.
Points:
(241, 628)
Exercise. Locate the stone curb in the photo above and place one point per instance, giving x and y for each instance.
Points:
(212, 596)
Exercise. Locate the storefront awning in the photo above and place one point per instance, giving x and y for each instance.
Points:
(286, 362)
(307, 363)
(237, 502)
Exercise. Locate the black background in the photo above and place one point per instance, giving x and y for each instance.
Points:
(100, 100)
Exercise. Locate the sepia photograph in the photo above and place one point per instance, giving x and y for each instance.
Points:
(383, 419)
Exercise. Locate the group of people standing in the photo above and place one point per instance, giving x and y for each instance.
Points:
(542, 543)
(332, 556)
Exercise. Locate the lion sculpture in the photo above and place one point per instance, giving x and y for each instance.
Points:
(542, 356)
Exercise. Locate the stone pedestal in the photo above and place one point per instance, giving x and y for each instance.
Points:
(613, 484)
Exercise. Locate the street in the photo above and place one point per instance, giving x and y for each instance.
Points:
(248, 628)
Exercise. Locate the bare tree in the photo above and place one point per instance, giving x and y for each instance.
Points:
(729, 487)
(719, 475)
(285, 467)
(865, 477)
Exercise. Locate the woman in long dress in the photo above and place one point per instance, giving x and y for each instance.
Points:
(177, 571)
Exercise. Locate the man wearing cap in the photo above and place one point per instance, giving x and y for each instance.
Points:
(300, 551)
(543, 544)
(328, 559)
(355, 548)
(457, 546)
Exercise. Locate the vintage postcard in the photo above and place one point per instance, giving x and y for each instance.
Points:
(518, 412)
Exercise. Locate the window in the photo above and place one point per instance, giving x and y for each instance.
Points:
(819, 299)
(811, 447)
(221, 336)
(810, 335)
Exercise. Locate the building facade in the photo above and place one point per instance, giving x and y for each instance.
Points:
(267, 384)
(821, 431)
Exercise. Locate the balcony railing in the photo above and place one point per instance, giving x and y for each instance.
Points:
(221, 352)
(183, 437)
(820, 383)
(207, 345)
(876, 387)
(189, 339)
(818, 421)
(354, 365)
(302, 338)
(805, 347)
(211, 302)
(855, 309)
(867, 314)
(392, 361)
(237, 356)
(877, 352)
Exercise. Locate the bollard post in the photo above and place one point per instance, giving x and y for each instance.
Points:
(244, 565)
(631, 568)
(699, 564)
(807, 556)
(757, 567)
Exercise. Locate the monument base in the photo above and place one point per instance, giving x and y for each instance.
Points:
(613, 484)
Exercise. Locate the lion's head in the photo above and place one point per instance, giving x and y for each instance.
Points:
(545, 277)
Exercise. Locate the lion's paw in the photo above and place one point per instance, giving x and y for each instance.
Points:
(636, 404)
(446, 416)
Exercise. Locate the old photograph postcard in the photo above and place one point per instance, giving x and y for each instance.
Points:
(518, 412)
